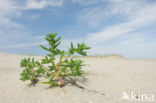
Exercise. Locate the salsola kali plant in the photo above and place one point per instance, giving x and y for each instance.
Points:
(50, 67)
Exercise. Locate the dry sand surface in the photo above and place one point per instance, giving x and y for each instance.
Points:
(108, 75)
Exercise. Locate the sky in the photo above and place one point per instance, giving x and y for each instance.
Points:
(124, 27)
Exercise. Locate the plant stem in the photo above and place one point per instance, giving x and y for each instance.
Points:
(60, 80)
(57, 71)
(60, 61)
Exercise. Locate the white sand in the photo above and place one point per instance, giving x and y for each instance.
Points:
(108, 75)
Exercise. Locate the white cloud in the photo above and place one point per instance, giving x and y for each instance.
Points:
(7, 23)
(122, 37)
(133, 39)
(135, 50)
(85, 2)
(23, 45)
(118, 1)
(40, 4)
(108, 33)
(8, 28)
(123, 10)
(8, 9)
(33, 16)
(145, 16)
(12, 32)
(93, 16)
(139, 50)
(65, 43)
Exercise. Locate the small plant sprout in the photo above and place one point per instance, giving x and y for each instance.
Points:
(50, 67)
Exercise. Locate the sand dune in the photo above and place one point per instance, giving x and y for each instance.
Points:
(105, 79)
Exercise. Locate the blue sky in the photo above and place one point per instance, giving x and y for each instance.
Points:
(125, 27)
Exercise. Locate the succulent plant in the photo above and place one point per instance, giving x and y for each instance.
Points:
(64, 67)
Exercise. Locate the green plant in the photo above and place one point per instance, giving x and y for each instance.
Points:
(49, 67)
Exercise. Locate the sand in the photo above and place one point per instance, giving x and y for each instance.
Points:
(106, 78)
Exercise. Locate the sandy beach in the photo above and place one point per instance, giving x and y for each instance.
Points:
(106, 79)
